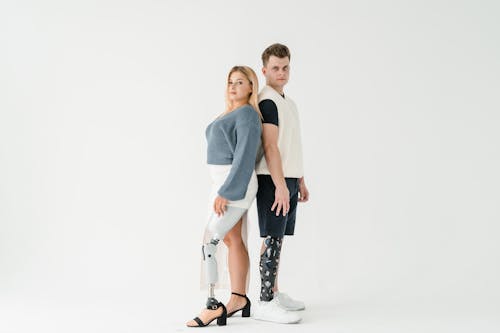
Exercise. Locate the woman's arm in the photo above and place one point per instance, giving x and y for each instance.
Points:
(248, 140)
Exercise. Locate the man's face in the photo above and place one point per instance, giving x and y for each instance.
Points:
(277, 71)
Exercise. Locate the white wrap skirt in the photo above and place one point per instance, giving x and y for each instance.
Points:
(219, 174)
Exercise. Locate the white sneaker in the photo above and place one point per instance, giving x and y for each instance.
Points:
(271, 311)
(288, 303)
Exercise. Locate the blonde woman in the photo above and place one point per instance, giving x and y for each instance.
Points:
(233, 140)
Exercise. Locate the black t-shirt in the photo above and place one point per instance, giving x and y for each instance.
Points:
(269, 112)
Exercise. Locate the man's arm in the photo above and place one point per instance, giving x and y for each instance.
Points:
(303, 191)
(273, 160)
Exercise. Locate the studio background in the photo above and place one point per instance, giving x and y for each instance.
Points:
(103, 182)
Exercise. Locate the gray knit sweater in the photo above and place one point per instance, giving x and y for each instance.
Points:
(234, 139)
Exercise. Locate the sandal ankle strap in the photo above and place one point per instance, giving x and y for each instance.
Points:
(239, 294)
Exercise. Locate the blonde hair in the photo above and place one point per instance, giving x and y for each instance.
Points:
(253, 99)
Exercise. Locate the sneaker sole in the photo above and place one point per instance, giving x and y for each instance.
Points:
(294, 309)
(277, 322)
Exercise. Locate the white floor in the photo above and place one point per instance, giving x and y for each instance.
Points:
(163, 315)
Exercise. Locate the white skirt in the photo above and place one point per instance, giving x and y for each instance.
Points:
(219, 174)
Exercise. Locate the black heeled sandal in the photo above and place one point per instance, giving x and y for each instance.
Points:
(245, 311)
(221, 320)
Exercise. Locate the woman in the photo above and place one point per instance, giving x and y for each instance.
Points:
(233, 140)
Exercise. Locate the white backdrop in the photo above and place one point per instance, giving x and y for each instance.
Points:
(103, 184)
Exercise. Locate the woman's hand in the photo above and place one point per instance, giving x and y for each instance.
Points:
(281, 200)
(220, 205)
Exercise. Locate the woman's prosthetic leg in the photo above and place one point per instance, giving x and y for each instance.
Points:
(218, 226)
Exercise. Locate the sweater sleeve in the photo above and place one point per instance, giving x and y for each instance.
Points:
(247, 142)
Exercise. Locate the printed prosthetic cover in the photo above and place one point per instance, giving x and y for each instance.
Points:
(218, 227)
(269, 261)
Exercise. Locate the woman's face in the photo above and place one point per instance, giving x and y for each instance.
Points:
(238, 87)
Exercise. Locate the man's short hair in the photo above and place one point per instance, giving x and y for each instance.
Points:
(277, 50)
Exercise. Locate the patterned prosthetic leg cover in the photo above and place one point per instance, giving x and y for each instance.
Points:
(269, 261)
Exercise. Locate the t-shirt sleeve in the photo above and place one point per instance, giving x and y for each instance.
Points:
(269, 112)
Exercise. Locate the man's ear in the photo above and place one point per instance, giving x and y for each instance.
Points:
(264, 70)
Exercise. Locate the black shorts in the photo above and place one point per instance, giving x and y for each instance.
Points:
(269, 223)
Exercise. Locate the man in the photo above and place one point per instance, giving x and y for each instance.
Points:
(281, 183)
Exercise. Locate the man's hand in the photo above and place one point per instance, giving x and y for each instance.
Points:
(303, 191)
(281, 200)
(220, 205)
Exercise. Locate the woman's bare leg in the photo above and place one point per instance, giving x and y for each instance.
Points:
(238, 266)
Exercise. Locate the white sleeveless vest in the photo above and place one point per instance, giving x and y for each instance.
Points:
(289, 140)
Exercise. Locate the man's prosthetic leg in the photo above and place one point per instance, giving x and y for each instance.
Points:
(269, 262)
(218, 226)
